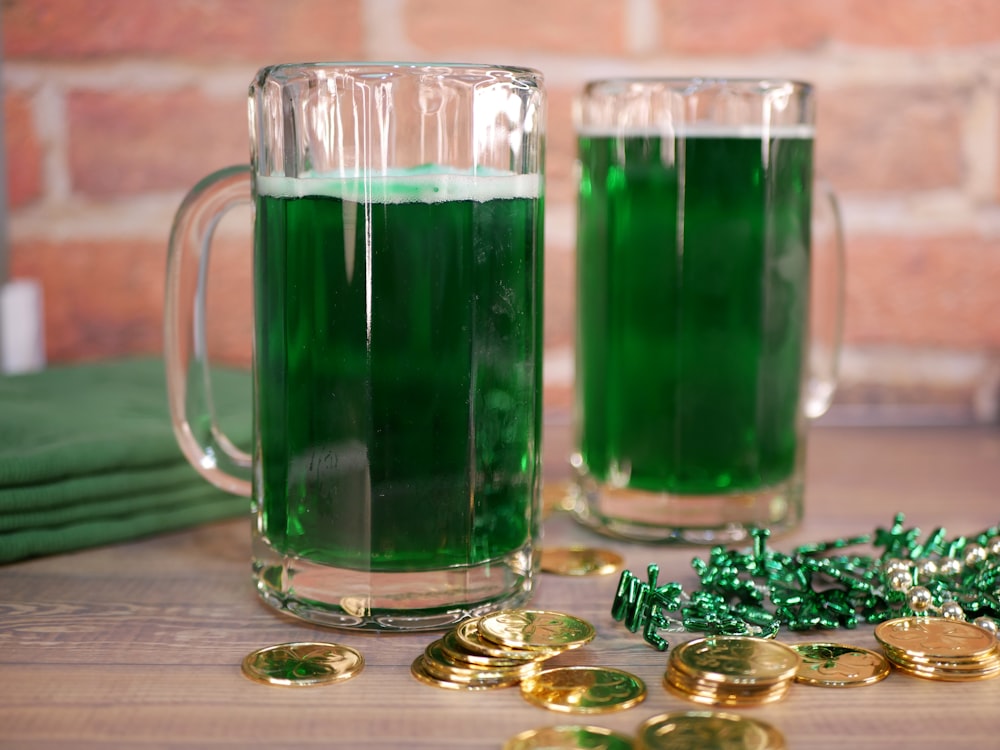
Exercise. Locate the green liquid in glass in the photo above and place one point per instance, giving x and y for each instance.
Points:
(693, 268)
(398, 360)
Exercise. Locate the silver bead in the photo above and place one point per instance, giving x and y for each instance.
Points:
(974, 554)
(993, 545)
(949, 566)
(900, 580)
(952, 611)
(927, 569)
(895, 565)
(987, 623)
(920, 599)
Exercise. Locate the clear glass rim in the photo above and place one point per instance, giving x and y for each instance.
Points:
(697, 83)
(288, 70)
(638, 105)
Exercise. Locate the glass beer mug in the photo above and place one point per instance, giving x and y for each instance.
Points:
(696, 372)
(397, 259)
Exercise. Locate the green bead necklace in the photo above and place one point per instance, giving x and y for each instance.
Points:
(819, 586)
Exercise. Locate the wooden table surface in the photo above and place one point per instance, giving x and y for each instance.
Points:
(139, 645)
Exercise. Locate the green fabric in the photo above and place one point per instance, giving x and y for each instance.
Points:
(88, 457)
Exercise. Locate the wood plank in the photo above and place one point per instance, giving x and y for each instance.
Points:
(139, 644)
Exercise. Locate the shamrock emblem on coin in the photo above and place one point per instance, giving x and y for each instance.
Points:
(302, 664)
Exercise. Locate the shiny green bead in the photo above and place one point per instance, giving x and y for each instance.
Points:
(761, 590)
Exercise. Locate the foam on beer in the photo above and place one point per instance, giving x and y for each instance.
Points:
(420, 185)
(698, 130)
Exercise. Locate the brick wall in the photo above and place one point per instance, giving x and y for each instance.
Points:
(113, 108)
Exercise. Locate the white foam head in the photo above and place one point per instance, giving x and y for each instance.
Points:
(700, 130)
(405, 186)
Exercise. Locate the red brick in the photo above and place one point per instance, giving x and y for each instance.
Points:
(937, 291)
(872, 139)
(102, 299)
(105, 299)
(262, 31)
(996, 172)
(229, 306)
(859, 146)
(557, 402)
(560, 147)
(122, 143)
(24, 151)
(915, 23)
(702, 27)
(444, 29)
(560, 297)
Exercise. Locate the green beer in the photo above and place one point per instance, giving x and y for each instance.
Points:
(693, 263)
(398, 348)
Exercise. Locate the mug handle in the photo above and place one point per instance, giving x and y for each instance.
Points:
(827, 309)
(189, 386)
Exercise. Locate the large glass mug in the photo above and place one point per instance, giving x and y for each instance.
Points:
(395, 469)
(698, 228)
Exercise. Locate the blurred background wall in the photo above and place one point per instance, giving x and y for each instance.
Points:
(114, 108)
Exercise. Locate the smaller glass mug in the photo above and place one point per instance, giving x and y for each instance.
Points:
(696, 371)
(395, 469)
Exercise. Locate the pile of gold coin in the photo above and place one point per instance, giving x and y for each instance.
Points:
(731, 670)
(939, 648)
(499, 649)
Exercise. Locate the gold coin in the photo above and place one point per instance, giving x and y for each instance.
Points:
(720, 690)
(438, 662)
(556, 497)
(935, 638)
(950, 675)
(568, 738)
(536, 629)
(580, 561)
(451, 674)
(736, 660)
(836, 665)
(716, 694)
(457, 651)
(357, 606)
(302, 664)
(991, 660)
(468, 637)
(583, 690)
(419, 669)
(707, 730)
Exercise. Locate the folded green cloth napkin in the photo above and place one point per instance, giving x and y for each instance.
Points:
(88, 457)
